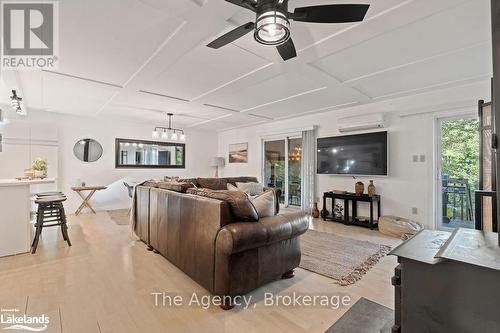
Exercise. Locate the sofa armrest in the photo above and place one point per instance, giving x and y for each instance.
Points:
(277, 192)
(241, 236)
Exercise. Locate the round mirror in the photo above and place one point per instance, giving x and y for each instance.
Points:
(87, 150)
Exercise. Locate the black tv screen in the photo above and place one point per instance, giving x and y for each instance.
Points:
(361, 154)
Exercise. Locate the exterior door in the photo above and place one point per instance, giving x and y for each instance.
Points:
(458, 171)
(282, 168)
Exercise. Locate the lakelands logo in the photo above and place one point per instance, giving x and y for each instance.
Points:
(30, 35)
(12, 319)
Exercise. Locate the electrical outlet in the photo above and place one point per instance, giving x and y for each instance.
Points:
(414, 210)
(422, 158)
(415, 158)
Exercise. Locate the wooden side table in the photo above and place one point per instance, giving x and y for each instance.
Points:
(88, 197)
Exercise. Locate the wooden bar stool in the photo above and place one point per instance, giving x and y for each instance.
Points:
(49, 194)
(50, 213)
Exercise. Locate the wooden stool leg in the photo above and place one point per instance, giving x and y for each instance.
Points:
(35, 240)
(38, 232)
(64, 229)
(37, 223)
(64, 226)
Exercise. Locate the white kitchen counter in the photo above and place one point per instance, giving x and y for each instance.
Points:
(15, 182)
(15, 209)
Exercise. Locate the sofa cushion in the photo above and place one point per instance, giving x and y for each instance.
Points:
(234, 180)
(241, 206)
(231, 187)
(175, 186)
(180, 187)
(250, 188)
(188, 180)
(238, 237)
(212, 183)
(151, 183)
(265, 204)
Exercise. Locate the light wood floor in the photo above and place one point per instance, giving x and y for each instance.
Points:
(103, 283)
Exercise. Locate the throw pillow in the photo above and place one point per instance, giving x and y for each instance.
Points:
(251, 188)
(241, 207)
(212, 183)
(231, 187)
(265, 204)
(175, 186)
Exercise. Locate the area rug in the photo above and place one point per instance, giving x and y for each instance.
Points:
(120, 216)
(364, 317)
(343, 259)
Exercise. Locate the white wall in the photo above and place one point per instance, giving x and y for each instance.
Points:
(411, 132)
(201, 146)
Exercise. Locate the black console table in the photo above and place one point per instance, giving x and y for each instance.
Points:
(368, 222)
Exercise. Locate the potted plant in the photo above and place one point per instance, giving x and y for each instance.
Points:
(39, 166)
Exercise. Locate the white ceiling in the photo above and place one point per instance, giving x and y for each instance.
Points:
(138, 59)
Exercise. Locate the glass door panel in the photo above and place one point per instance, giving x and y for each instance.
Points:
(274, 165)
(459, 171)
(487, 177)
(294, 171)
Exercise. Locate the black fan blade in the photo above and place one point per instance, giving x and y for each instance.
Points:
(232, 35)
(242, 3)
(331, 13)
(287, 50)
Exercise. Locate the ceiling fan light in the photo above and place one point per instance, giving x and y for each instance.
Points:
(272, 28)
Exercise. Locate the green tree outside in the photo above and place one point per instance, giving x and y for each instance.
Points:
(460, 149)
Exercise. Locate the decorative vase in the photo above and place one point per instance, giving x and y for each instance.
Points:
(324, 212)
(371, 189)
(29, 173)
(39, 173)
(315, 211)
(359, 188)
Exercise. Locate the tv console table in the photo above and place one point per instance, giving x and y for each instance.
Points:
(368, 222)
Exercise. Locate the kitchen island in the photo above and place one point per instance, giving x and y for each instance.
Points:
(15, 208)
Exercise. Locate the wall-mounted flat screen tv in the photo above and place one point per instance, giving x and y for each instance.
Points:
(360, 154)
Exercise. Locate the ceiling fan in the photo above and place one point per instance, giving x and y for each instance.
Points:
(272, 26)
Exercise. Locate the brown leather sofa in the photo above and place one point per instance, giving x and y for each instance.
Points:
(201, 237)
(221, 184)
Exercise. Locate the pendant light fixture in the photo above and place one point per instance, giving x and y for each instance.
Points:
(169, 133)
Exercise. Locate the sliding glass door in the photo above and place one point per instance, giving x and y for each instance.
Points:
(274, 165)
(458, 171)
(282, 168)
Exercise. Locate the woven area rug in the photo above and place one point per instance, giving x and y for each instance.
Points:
(343, 259)
(120, 216)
